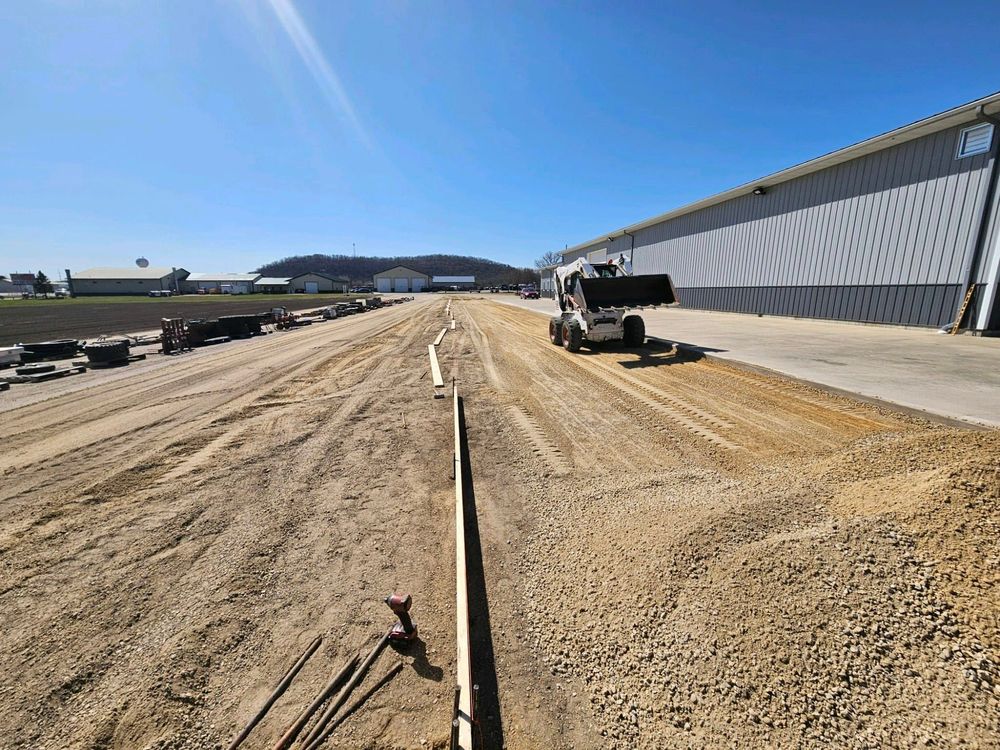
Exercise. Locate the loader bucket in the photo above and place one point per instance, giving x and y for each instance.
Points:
(628, 291)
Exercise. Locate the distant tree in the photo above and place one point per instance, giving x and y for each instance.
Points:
(549, 258)
(42, 284)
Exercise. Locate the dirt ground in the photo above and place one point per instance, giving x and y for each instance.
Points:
(676, 553)
(42, 320)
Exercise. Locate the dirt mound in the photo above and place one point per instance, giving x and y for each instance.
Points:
(851, 601)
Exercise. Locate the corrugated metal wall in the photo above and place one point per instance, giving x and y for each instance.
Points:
(885, 238)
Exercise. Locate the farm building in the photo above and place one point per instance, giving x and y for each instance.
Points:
(272, 285)
(219, 283)
(110, 281)
(401, 279)
(314, 283)
(895, 229)
(453, 282)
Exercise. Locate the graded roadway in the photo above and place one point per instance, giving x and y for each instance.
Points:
(956, 377)
(676, 552)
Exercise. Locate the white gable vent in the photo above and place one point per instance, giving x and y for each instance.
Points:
(975, 140)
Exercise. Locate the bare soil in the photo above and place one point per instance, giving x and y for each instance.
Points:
(42, 320)
(676, 553)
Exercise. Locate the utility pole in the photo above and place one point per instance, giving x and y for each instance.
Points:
(354, 249)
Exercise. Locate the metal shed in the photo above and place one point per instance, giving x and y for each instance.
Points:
(272, 285)
(314, 283)
(220, 283)
(895, 229)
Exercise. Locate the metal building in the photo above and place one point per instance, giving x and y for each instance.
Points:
(895, 229)
(453, 282)
(314, 283)
(106, 281)
(220, 283)
(401, 279)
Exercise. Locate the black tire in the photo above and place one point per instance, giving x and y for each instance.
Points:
(572, 336)
(34, 369)
(635, 331)
(555, 331)
(106, 351)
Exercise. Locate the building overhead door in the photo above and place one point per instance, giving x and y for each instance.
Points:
(383, 285)
(419, 284)
(401, 285)
(312, 287)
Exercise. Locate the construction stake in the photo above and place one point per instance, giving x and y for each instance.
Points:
(282, 686)
(317, 736)
(396, 668)
(303, 718)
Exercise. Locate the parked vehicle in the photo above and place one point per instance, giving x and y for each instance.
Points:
(529, 292)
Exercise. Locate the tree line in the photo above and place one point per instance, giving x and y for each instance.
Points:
(362, 268)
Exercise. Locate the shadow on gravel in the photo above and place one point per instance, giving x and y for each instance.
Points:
(484, 669)
(421, 664)
(654, 353)
(663, 352)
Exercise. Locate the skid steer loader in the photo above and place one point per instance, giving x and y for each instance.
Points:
(594, 297)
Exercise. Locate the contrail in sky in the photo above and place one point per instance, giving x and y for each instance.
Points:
(316, 62)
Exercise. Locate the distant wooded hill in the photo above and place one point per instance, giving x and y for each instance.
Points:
(361, 269)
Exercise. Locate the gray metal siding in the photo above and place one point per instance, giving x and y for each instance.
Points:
(884, 237)
(918, 304)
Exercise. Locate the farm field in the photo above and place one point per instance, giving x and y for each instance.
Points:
(674, 552)
(82, 317)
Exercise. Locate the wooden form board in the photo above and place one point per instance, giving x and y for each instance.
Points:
(435, 367)
(464, 648)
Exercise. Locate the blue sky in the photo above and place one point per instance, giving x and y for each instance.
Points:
(221, 134)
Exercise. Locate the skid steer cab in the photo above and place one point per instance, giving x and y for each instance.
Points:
(594, 299)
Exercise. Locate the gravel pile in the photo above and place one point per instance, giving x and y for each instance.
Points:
(849, 601)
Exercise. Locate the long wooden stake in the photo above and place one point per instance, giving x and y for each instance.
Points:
(313, 740)
(303, 718)
(282, 687)
(360, 701)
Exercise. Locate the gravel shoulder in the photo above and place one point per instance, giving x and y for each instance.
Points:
(706, 557)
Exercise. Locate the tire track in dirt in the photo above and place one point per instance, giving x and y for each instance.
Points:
(717, 403)
(175, 372)
(542, 446)
(188, 564)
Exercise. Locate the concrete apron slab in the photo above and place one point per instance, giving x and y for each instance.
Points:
(953, 380)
